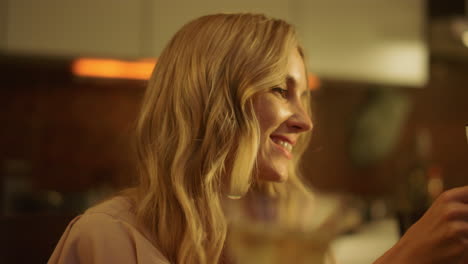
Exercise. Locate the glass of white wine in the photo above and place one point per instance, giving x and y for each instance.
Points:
(265, 230)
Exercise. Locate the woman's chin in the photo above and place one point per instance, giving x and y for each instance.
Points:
(274, 176)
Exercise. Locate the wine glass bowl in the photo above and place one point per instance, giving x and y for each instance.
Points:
(261, 230)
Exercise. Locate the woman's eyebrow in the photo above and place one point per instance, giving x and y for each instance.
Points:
(290, 81)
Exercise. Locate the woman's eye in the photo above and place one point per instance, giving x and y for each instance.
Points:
(280, 91)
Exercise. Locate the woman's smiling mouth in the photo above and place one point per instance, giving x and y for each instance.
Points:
(283, 144)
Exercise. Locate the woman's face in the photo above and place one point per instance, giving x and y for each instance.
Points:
(282, 118)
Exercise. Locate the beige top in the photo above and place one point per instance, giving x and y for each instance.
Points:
(106, 233)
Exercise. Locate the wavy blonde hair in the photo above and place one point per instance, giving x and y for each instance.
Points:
(197, 134)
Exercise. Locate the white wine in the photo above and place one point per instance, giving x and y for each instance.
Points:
(262, 244)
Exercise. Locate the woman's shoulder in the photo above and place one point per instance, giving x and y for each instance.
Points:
(116, 208)
(113, 213)
(104, 233)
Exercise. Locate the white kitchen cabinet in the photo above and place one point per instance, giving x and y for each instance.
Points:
(374, 41)
(169, 16)
(111, 28)
(74, 27)
(3, 13)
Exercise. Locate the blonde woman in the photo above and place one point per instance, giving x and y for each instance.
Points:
(226, 114)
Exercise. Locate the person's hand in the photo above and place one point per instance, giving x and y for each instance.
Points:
(439, 237)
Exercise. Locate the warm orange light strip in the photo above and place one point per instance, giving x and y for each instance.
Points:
(314, 82)
(115, 69)
(139, 70)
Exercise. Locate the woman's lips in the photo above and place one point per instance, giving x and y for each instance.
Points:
(283, 146)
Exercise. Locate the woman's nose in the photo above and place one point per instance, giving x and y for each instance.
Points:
(300, 120)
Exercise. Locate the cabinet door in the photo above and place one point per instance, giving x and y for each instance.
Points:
(169, 16)
(373, 41)
(3, 13)
(74, 28)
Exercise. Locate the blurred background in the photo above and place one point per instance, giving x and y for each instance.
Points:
(390, 101)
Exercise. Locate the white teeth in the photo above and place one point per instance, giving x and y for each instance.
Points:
(285, 144)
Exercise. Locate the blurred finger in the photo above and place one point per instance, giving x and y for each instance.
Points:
(456, 194)
(457, 211)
